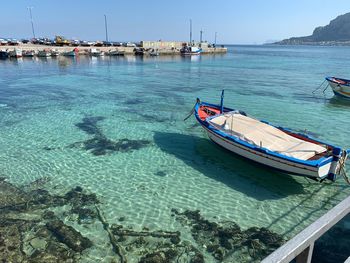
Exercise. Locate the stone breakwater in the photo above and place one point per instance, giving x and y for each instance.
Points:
(125, 50)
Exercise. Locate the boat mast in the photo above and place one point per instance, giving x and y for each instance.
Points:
(216, 33)
(106, 28)
(31, 19)
(222, 102)
(190, 31)
(201, 35)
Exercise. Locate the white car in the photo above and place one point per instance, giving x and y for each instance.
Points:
(129, 44)
(3, 42)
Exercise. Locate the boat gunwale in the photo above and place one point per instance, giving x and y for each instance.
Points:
(330, 79)
(312, 163)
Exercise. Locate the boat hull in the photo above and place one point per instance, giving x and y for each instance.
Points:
(69, 54)
(268, 160)
(340, 87)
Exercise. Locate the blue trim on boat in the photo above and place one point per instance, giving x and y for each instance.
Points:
(272, 167)
(345, 80)
(313, 163)
(340, 95)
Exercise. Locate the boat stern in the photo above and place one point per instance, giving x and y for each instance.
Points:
(338, 163)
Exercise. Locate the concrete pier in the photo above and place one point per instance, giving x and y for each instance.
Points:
(126, 50)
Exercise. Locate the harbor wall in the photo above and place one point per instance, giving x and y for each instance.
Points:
(166, 49)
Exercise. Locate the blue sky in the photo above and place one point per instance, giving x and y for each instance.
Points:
(236, 21)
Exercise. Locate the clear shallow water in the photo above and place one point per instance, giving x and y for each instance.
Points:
(42, 101)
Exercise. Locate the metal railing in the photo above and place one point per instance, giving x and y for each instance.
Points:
(301, 246)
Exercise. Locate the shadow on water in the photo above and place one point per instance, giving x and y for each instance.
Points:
(217, 163)
(338, 102)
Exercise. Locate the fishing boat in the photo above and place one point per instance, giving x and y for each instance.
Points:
(115, 53)
(54, 52)
(188, 51)
(28, 53)
(274, 146)
(139, 51)
(4, 54)
(96, 52)
(71, 53)
(15, 53)
(154, 53)
(44, 53)
(340, 87)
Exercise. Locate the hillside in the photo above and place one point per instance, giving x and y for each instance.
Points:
(337, 32)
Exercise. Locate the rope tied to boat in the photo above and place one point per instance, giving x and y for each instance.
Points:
(193, 109)
(342, 168)
(320, 86)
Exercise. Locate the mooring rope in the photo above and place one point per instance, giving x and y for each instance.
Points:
(320, 87)
(342, 169)
(325, 88)
(192, 111)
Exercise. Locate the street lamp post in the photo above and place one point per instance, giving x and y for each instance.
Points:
(31, 19)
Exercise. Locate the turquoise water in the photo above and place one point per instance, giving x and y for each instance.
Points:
(171, 163)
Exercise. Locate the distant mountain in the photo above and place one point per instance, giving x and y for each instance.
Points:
(337, 32)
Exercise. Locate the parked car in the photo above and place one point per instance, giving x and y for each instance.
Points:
(98, 44)
(84, 43)
(129, 44)
(117, 44)
(13, 42)
(25, 41)
(107, 43)
(3, 42)
(74, 42)
(34, 41)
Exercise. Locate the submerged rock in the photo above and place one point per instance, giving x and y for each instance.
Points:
(102, 145)
(160, 173)
(89, 125)
(69, 236)
(31, 232)
(223, 238)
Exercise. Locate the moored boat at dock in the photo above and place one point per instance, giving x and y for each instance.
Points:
(15, 53)
(273, 146)
(44, 53)
(340, 87)
(115, 52)
(54, 52)
(4, 54)
(95, 52)
(28, 53)
(188, 51)
(71, 53)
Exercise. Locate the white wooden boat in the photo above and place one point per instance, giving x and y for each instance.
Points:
(44, 53)
(95, 52)
(188, 51)
(15, 53)
(340, 87)
(54, 52)
(269, 145)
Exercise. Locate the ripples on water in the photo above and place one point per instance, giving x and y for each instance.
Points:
(154, 161)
